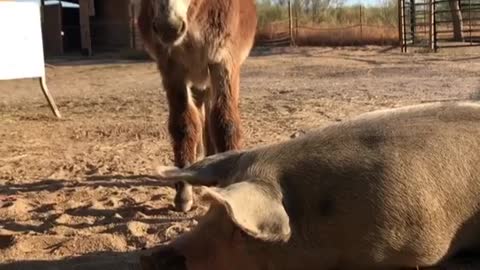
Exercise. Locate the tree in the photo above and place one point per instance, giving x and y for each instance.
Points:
(457, 20)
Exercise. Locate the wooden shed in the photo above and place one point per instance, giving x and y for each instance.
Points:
(89, 26)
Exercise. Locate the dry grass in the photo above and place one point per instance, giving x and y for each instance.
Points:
(348, 36)
(334, 25)
(326, 35)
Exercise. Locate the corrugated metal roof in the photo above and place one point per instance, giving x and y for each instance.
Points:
(64, 4)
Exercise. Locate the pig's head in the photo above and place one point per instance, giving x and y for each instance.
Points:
(243, 218)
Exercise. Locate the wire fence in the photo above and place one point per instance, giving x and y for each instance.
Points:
(352, 25)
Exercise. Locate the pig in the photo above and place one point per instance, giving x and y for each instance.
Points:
(389, 189)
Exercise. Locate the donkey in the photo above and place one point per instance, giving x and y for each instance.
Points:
(199, 47)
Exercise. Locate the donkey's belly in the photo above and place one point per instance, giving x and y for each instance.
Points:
(197, 74)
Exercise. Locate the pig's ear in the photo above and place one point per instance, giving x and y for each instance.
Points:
(253, 210)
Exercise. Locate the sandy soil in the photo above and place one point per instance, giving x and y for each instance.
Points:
(69, 196)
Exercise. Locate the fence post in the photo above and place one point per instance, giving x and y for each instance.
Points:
(133, 32)
(435, 33)
(431, 24)
(296, 23)
(469, 19)
(290, 23)
(401, 24)
(413, 20)
(361, 24)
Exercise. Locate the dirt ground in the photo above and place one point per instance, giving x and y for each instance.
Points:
(75, 202)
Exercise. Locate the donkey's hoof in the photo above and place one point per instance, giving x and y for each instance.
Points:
(184, 198)
(183, 206)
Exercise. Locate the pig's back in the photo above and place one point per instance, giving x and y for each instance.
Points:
(390, 187)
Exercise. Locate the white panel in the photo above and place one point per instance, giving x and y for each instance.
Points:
(21, 46)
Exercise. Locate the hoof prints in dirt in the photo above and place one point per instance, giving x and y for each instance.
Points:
(81, 217)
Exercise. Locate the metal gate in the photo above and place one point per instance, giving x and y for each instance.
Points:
(430, 23)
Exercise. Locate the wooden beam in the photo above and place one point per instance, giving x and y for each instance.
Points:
(91, 7)
(85, 26)
(48, 96)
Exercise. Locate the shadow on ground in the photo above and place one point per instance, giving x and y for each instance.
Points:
(286, 51)
(95, 261)
(52, 185)
(112, 211)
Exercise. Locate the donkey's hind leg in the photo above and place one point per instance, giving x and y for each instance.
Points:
(208, 142)
(225, 126)
(205, 146)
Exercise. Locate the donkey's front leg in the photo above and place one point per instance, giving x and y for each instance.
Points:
(185, 127)
(224, 121)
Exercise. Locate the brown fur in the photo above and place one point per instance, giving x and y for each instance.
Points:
(205, 66)
(388, 190)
